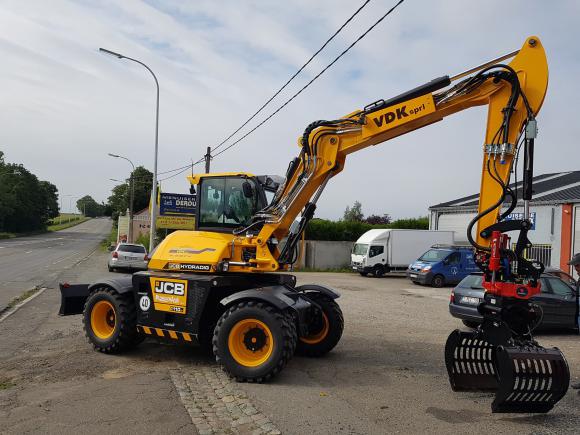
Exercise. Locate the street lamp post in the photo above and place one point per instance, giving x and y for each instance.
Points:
(154, 187)
(132, 195)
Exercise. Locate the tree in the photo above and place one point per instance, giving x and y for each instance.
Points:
(51, 195)
(26, 204)
(89, 207)
(375, 219)
(119, 199)
(354, 214)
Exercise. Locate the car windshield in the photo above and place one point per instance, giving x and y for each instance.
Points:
(360, 249)
(433, 255)
(471, 281)
(132, 248)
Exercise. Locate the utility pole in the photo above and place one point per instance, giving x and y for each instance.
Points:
(207, 159)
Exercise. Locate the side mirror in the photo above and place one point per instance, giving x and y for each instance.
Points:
(446, 262)
(247, 188)
(192, 189)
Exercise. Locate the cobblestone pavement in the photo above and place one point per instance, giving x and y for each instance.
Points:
(215, 405)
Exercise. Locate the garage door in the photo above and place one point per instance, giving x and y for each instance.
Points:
(456, 222)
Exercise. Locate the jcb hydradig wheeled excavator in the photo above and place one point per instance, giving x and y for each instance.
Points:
(217, 285)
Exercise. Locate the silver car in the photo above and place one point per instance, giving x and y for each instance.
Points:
(128, 256)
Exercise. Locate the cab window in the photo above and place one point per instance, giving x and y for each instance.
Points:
(454, 259)
(223, 202)
(376, 250)
(559, 287)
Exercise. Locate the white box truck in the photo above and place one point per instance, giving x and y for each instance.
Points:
(378, 252)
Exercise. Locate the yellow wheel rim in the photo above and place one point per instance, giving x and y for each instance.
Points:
(250, 342)
(103, 319)
(319, 336)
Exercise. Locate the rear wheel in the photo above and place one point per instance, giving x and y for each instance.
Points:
(438, 281)
(363, 274)
(378, 271)
(326, 330)
(110, 321)
(254, 341)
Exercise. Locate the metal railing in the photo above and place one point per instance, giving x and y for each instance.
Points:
(540, 252)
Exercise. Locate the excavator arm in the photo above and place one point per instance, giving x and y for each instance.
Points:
(501, 354)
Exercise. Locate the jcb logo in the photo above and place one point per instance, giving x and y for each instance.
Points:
(170, 288)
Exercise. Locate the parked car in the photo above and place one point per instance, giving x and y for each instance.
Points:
(381, 251)
(442, 265)
(128, 256)
(557, 300)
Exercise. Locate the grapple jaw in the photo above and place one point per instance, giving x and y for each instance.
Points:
(525, 377)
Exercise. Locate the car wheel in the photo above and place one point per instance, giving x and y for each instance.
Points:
(438, 281)
(110, 268)
(378, 271)
(363, 273)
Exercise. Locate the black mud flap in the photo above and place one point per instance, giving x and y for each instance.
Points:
(526, 379)
(73, 298)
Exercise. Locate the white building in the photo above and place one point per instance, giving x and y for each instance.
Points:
(555, 210)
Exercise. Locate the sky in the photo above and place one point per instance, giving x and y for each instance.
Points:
(64, 105)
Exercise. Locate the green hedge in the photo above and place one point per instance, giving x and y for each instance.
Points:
(322, 229)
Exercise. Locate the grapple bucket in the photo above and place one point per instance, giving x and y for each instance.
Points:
(531, 379)
(470, 362)
(526, 379)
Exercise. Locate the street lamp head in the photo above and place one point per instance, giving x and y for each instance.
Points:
(113, 155)
(111, 53)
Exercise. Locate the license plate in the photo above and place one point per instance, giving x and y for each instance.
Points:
(469, 300)
(412, 275)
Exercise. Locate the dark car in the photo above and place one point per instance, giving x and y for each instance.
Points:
(557, 300)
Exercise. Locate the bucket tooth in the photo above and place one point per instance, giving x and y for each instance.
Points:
(532, 379)
(470, 362)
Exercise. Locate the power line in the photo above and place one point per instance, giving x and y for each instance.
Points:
(311, 81)
(293, 76)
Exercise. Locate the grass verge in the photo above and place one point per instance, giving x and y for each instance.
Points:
(110, 240)
(69, 224)
(22, 297)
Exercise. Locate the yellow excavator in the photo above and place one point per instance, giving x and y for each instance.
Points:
(217, 286)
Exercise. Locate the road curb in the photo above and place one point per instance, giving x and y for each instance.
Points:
(8, 311)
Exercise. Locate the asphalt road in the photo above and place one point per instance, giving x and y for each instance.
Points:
(387, 375)
(27, 262)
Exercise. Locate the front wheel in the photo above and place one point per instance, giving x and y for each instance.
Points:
(254, 341)
(325, 330)
(110, 321)
(438, 281)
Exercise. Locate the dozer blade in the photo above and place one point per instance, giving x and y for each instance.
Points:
(531, 379)
(470, 362)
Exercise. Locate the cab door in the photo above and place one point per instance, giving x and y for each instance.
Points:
(454, 271)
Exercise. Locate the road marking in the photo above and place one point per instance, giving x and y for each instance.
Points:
(214, 403)
(28, 252)
(15, 308)
(74, 254)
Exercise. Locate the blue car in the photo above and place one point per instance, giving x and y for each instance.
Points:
(442, 265)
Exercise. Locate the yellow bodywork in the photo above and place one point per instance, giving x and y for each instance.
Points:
(207, 249)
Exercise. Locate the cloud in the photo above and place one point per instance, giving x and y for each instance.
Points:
(64, 105)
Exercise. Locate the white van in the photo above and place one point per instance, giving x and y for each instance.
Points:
(381, 251)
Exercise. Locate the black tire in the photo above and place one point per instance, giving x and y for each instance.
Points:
(363, 273)
(438, 281)
(378, 271)
(121, 323)
(471, 324)
(317, 344)
(282, 328)
(110, 268)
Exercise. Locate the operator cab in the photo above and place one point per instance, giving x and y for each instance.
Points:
(227, 201)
